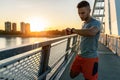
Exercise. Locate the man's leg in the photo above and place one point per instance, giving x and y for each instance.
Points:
(73, 74)
(75, 67)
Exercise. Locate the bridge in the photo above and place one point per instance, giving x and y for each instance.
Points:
(47, 60)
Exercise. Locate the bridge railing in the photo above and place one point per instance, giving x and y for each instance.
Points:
(36, 61)
(112, 42)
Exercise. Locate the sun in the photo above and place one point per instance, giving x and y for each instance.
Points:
(37, 24)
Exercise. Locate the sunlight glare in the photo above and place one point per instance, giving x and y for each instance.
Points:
(38, 24)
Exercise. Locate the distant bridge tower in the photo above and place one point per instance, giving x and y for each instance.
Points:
(108, 12)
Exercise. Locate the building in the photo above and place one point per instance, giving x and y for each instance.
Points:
(7, 26)
(27, 28)
(14, 27)
(22, 25)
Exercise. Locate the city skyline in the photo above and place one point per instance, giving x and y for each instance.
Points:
(45, 13)
(12, 27)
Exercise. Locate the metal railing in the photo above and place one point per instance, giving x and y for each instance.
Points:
(112, 42)
(36, 61)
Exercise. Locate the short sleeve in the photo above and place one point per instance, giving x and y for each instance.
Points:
(96, 24)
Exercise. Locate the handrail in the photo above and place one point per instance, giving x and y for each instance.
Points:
(112, 42)
(32, 63)
(13, 59)
(24, 48)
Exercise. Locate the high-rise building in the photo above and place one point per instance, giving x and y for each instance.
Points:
(14, 27)
(27, 28)
(8, 26)
(22, 25)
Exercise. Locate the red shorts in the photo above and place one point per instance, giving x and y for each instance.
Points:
(87, 66)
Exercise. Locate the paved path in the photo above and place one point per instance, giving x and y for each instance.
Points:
(109, 64)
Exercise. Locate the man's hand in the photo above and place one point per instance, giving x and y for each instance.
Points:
(68, 31)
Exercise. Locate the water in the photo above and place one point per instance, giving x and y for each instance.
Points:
(6, 42)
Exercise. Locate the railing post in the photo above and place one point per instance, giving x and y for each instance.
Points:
(106, 39)
(74, 41)
(44, 60)
(118, 50)
(67, 48)
(116, 45)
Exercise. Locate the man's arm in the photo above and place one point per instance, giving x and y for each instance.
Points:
(92, 31)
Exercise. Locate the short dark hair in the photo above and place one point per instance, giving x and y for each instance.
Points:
(83, 4)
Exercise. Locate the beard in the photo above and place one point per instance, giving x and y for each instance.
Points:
(86, 18)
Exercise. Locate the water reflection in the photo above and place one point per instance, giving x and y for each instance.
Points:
(9, 41)
(2, 42)
(6, 42)
(24, 40)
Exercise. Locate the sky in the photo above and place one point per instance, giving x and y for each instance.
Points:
(50, 14)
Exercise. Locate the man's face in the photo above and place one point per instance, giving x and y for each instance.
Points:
(84, 13)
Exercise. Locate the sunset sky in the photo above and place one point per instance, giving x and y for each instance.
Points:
(50, 14)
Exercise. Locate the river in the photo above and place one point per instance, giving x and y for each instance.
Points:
(6, 42)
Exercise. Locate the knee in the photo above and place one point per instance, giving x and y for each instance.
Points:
(73, 74)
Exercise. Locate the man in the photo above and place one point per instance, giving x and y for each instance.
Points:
(87, 61)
